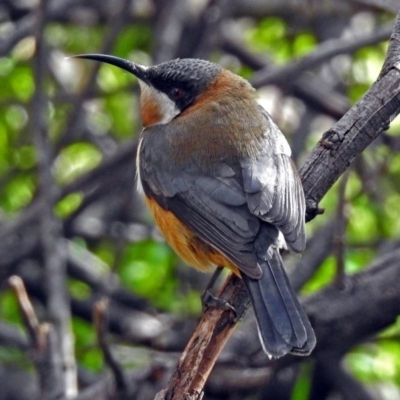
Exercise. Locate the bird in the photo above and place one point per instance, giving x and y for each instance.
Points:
(217, 175)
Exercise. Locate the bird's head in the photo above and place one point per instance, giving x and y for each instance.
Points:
(167, 89)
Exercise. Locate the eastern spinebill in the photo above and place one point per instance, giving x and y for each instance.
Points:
(217, 176)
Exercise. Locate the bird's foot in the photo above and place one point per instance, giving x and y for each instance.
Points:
(208, 301)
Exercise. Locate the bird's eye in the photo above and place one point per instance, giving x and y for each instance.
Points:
(175, 93)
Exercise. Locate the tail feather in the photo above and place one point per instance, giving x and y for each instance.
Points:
(283, 326)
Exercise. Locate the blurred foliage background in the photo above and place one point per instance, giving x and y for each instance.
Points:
(68, 133)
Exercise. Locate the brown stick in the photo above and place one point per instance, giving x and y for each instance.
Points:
(206, 343)
(25, 305)
(100, 323)
(44, 343)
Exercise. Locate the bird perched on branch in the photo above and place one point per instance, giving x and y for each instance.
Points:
(217, 176)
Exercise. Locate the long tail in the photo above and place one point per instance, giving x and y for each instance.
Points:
(282, 324)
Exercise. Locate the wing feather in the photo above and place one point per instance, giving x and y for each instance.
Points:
(226, 206)
(273, 188)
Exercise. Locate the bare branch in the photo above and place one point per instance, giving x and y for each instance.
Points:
(45, 345)
(100, 323)
(25, 305)
(355, 131)
(206, 343)
(324, 52)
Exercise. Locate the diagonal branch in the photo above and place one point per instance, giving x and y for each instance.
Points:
(349, 137)
(325, 52)
(44, 343)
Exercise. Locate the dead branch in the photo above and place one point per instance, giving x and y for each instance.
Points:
(25, 305)
(207, 343)
(44, 344)
(100, 323)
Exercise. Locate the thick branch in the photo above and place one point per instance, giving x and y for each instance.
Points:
(349, 137)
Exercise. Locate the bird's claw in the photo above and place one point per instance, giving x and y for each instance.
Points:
(208, 301)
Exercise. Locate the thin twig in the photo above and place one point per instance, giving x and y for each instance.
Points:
(100, 323)
(44, 343)
(27, 310)
(324, 52)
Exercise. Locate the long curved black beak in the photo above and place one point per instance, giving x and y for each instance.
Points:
(136, 69)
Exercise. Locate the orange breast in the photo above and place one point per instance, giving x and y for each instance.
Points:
(193, 250)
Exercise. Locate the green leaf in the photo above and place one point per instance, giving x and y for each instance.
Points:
(302, 387)
(22, 83)
(270, 35)
(68, 205)
(17, 192)
(322, 277)
(147, 269)
(79, 289)
(10, 311)
(87, 351)
(75, 160)
(117, 105)
(303, 44)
